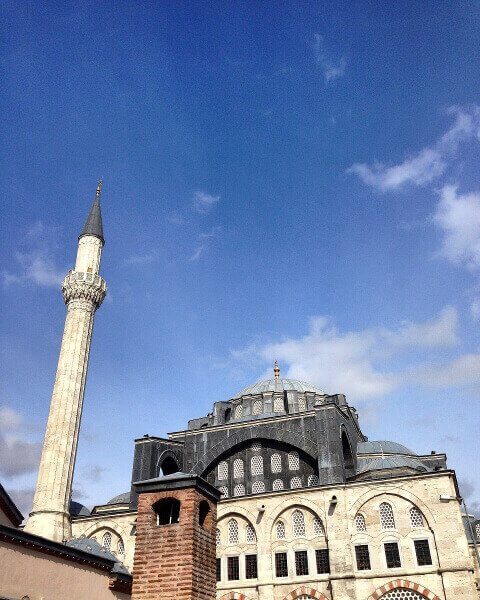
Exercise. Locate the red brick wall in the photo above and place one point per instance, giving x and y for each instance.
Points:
(174, 561)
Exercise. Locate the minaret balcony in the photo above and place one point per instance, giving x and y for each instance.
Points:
(85, 286)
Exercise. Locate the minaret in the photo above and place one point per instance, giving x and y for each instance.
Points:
(83, 291)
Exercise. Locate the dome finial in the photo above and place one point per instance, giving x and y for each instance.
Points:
(276, 370)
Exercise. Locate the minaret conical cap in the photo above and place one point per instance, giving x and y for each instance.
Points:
(93, 224)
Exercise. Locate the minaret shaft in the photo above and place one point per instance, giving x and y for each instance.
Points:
(83, 290)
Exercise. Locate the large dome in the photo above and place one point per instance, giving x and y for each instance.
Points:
(279, 385)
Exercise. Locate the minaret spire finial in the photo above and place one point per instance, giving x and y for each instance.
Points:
(276, 370)
(93, 225)
(99, 188)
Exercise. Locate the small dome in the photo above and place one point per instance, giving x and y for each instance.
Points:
(279, 385)
(120, 499)
(78, 510)
(383, 447)
(393, 461)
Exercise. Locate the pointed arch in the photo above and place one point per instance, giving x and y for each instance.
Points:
(305, 590)
(403, 584)
(234, 596)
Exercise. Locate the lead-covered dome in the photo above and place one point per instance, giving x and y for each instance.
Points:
(279, 385)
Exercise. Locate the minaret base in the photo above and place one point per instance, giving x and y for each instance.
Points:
(50, 524)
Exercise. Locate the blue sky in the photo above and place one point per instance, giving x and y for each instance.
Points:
(296, 181)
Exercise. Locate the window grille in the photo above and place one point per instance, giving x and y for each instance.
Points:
(223, 489)
(233, 571)
(416, 517)
(278, 404)
(239, 490)
(238, 470)
(298, 523)
(362, 555)
(281, 564)
(360, 523)
(312, 481)
(276, 463)
(392, 555)
(218, 537)
(323, 561)
(232, 532)
(257, 407)
(301, 562)
(477, 531)
(387, 520)
(251, 570)
(219, 569)
(302, 404)
(422, 550)
(222, 471)
(256, 465)
(250, 535)
(258, 487)
(295, 482)
(107, 541)
(318, 527)
(402, 594)
(280, 527)
(293, 461)
(277, 485)
(120, 547)
(238, 414)
(256, 447)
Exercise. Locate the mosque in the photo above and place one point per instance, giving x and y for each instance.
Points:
(306, 506)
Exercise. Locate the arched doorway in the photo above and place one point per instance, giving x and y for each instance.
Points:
(402, 589)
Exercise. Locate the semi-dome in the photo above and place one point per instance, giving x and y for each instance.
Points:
(78, 510)
(120, 499)
(383, 447)
(279, 385)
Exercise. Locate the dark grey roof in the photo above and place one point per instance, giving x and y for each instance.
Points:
(120, 499)
(78, 510)
(9, 507)
(279, 385)
(93, 547)
(383, 447)
(378, 463)
(93, 224)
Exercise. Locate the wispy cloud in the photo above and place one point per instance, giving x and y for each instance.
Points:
(17, 455)
(354, 361)
(458, 217)
(463, 370)
(142, 259)
(36, 264)
(332, 68)
(427, 164)
(204, 240)
(203, 202)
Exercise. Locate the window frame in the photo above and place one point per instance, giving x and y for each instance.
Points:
(357, 564)
(303, 554)
(230, 560)
(282, 553)
(386, 559)
(255, 561)
(415, 552)
(218, 568)
(326, 553)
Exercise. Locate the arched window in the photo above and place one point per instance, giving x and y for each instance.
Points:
(302, 404)
(318, 527)
(416, 517)
(295, 482)
(360, 524)
(232, 531)
(239, 490)
(280, 530)
(347, 454)
(120, 547)
(222, 471)
(256, 447)
(107, 541)
(298, 524)
(312, 481)
(223, 489)
(257, 407)
(167, 511)
(276, 463)
(403, 594)
(218, 537)
(238, 411)
(293, 461)
(477, 531)
(227, 415)
(250, 536)
(277, 485)
(387, 520)
(278, 404)
(203, 512)
(238, 471)
(257, 465)
(258, 487)
(169, 466)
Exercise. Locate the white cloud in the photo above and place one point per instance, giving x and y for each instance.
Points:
(463, 370)
(17, 456)
(203, 202)
(142, 259)
(475, 309)
(427, 164)
(458, 216)
(352, 362)
(332, 68)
